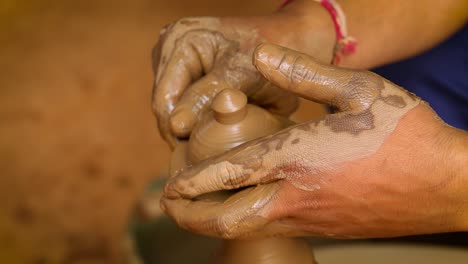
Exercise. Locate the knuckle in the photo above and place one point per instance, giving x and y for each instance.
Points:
(186, 22)
(176, 185)
(166, 28)
(169, 191)
(179, 185)
(183, 186)
(284, 65)
(171, 27)
(173, 31)
(296, 68)
(302, 71)
(363, 79)
(362, 89)
(226, 229)
(231, 176)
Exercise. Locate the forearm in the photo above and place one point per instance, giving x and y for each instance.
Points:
(456, 163)
(440, 162)
(386, 31)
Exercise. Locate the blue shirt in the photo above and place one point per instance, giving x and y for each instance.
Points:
(439, 76)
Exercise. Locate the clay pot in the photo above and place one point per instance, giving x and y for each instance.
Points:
(231, 123)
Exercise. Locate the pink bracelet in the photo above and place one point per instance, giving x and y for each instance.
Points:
(345, 45)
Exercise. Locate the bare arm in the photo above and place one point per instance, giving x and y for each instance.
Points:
(457, 161)
(387, 31)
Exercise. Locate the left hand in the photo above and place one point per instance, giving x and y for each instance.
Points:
(382, 166)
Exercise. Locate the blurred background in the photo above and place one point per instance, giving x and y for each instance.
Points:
(78, 141)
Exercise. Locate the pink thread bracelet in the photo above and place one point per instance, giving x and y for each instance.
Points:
(345, 45)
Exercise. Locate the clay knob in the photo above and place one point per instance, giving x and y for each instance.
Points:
(219, 132)
(229, 106)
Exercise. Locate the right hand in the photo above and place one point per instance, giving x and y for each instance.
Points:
(196, 58)
(383, 165)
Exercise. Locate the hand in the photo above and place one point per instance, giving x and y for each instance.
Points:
(196, 58)
(384, 165)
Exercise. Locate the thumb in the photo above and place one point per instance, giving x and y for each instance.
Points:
(347, 90)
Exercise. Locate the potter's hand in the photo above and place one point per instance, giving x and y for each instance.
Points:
(195, 59)
(383, 165)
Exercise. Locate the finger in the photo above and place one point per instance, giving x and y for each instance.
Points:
(198, 97)
(193, 102)
(157, 49)
(275, 100)
(241, 214)
(347, 90)
(249, 164)
(192, 56)
(178, 158)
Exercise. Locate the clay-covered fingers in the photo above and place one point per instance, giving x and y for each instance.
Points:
(193, 55)
(276, 100)
(239, 215)
(197, 98)
(192, 103)
(247, 165)
(347, 90)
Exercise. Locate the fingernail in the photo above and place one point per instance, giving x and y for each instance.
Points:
(259, 53)
(182, 122)
(266, 57)
(172, 195)
(169, 192)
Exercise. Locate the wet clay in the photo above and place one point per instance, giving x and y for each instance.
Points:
(230, 123)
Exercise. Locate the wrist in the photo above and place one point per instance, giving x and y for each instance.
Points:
(308, 28)
(456, 160)
(429, 156)
(304, 26)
